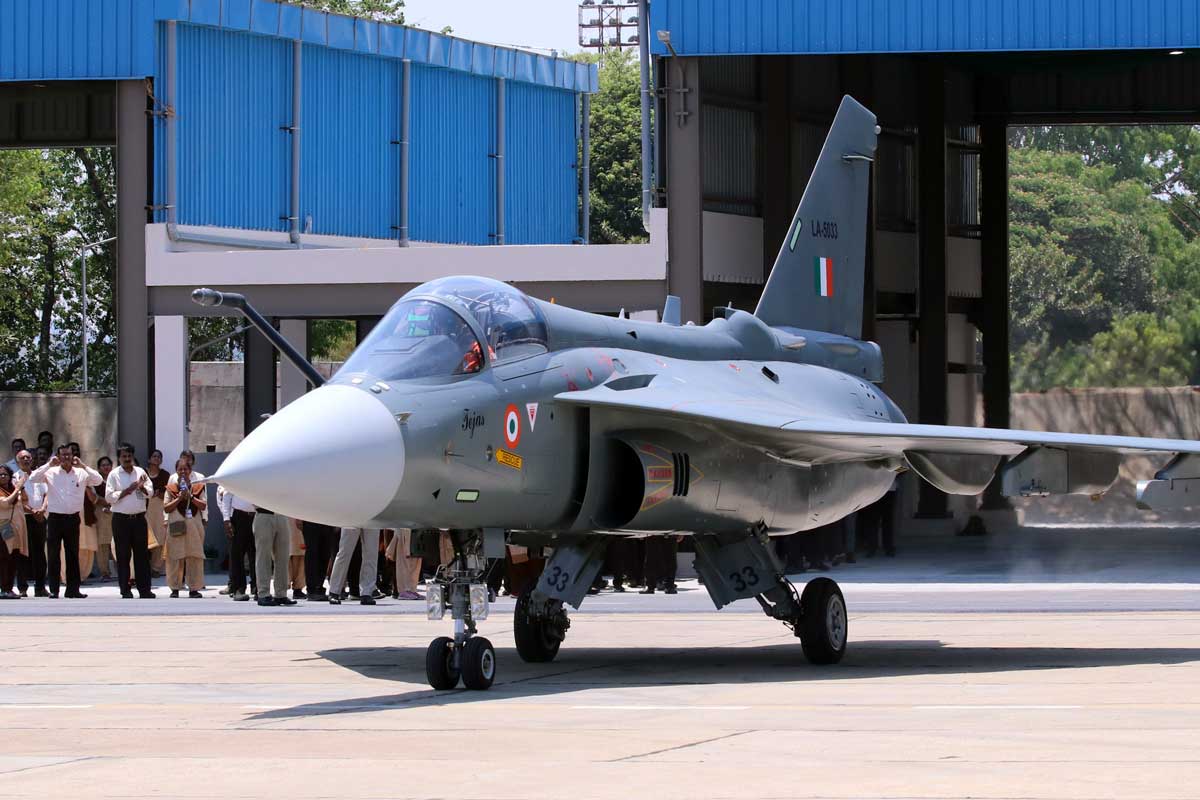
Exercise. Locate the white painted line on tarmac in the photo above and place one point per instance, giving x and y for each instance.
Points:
(659, 708)
(995, 708)
(39, 706)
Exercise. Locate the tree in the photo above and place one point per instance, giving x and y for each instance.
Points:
(1104, 281)
(616, 168)
(378, 10)
(51, 202)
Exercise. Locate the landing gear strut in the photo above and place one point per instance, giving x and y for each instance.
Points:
(459, 587)
(746, 566)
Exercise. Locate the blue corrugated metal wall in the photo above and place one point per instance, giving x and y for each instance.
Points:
(728, 27)
(114, 39)
(453, 174)
(350, 168)
(234, 158)
(541, 184)
(70, 39)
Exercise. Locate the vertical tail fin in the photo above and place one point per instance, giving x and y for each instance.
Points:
(817, 280)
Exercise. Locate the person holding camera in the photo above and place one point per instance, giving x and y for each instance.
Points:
(66, 479)
(185, 503)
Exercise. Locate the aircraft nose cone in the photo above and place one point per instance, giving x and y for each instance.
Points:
(334, 456)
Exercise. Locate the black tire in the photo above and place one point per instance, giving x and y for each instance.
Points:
(440, 670)
(824, 625)
(537, 642)
(478, 664)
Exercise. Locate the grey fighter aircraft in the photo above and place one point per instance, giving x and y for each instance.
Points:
(475, 408)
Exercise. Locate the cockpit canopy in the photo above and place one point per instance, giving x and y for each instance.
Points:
(424, 335)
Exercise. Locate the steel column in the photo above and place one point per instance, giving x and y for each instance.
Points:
(134, 388)
(933, 407)
(646, 95)
(996, 380)
(777, 204)
(258, 380)
(685, 186)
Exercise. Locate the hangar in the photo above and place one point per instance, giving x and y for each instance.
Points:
(321, 163)
(746, 89)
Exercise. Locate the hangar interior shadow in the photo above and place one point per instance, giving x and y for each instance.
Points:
(622, 667)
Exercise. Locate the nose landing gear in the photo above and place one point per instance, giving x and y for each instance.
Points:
(460, 589)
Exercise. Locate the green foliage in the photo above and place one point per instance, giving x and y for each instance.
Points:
(1104, 260)
(616, 168)
(331, 339)
(379, 10)
(51, 202)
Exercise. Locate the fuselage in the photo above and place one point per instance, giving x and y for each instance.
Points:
(489, 445)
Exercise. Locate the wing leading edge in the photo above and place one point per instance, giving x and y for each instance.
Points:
(956, 459)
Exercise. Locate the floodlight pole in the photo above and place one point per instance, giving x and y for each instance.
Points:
(83, 251)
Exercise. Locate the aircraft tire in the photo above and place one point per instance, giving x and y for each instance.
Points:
(824, 626)
(478, 664)
(535, 644)
(440, 670)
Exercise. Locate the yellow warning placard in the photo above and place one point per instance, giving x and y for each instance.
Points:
(509, 459)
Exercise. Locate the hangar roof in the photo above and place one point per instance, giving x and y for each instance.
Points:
(115, 39)
(755, 27)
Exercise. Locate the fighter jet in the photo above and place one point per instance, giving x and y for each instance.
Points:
(474, 408)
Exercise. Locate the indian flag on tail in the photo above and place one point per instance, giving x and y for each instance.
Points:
(824, 276)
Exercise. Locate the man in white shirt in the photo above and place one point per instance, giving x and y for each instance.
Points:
(238, 515)
(35, 526)
(127, 489)
(18, 444)
(66, 479)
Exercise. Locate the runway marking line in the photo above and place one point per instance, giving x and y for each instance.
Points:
(995, 708)
(660, 708)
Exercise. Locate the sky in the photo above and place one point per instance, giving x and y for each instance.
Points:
(542, 25)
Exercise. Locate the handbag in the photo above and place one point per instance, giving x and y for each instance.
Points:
(177, 528)
(7, 531)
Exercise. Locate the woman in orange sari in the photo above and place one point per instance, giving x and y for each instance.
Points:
(185, 502)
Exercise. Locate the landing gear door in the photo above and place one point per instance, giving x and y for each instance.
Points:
(735, 571)
(570, 571)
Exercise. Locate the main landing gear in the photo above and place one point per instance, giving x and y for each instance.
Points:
(737, 568)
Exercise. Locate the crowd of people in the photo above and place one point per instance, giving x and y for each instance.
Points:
(63, 522)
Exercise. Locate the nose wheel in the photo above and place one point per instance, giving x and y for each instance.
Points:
(459, 589)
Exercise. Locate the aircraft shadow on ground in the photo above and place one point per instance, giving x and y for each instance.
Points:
(592, 667)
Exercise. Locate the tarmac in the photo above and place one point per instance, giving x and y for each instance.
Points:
(1056, 664)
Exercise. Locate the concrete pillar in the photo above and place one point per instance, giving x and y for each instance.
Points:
(777, 208)
(258, 376)
(994, 253)
(362, 327)
(292, 383)
(932, 344)
(134, 389)
(170, 389)
(685, 186)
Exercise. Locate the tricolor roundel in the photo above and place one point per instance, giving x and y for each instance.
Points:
(512, 426)
(823, 269)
